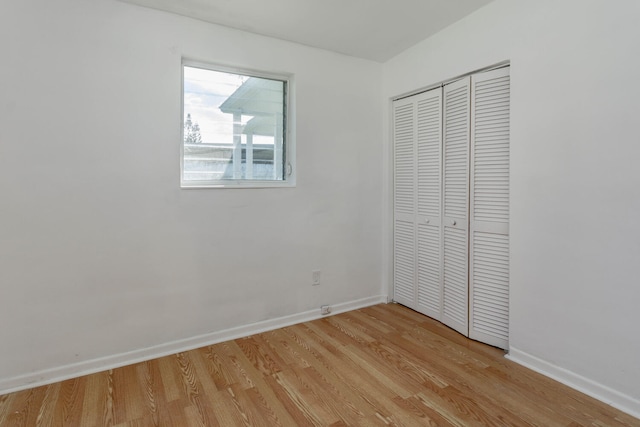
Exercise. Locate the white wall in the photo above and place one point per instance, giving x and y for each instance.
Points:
(101, 252)
(575, 234)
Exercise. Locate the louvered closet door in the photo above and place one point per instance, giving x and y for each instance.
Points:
(456, 205)
(429, 145)
(489, 226)
(404, 229)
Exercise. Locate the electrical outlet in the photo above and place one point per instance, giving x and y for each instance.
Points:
(315, 277)
(325, 309)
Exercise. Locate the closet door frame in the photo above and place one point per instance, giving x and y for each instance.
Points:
(473, 231)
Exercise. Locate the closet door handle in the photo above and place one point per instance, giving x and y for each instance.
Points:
(453, 222)
(426, 220)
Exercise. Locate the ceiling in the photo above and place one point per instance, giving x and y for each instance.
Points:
(371, 29)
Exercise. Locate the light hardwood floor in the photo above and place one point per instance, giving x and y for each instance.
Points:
(379, 366)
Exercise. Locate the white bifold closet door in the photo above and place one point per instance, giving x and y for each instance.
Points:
(404, 218)
(451, 204)
(456, 205)
(489, 211)
(417, 208)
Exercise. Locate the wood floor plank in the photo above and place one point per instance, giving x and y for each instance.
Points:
(6, 402)
(430, 416)
(252, 414)
(71, 395)
(278, 346)
(47, 408)
(220, 367)
(199, 410)
(245, 371)
(126, 394)
(295, 402)
(384, 365)
(93, 406)
(26, 407)
(226, 409)
(264, 360)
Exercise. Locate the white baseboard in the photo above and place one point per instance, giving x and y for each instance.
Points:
(48, 376)
(589, 387)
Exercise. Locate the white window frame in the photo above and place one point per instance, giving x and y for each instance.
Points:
(288, 154)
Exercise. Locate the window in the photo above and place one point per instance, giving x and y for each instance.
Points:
(235, 131)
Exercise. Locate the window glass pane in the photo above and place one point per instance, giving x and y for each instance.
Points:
(233, 127)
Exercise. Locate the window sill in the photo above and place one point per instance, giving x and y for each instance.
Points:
(236, 184)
